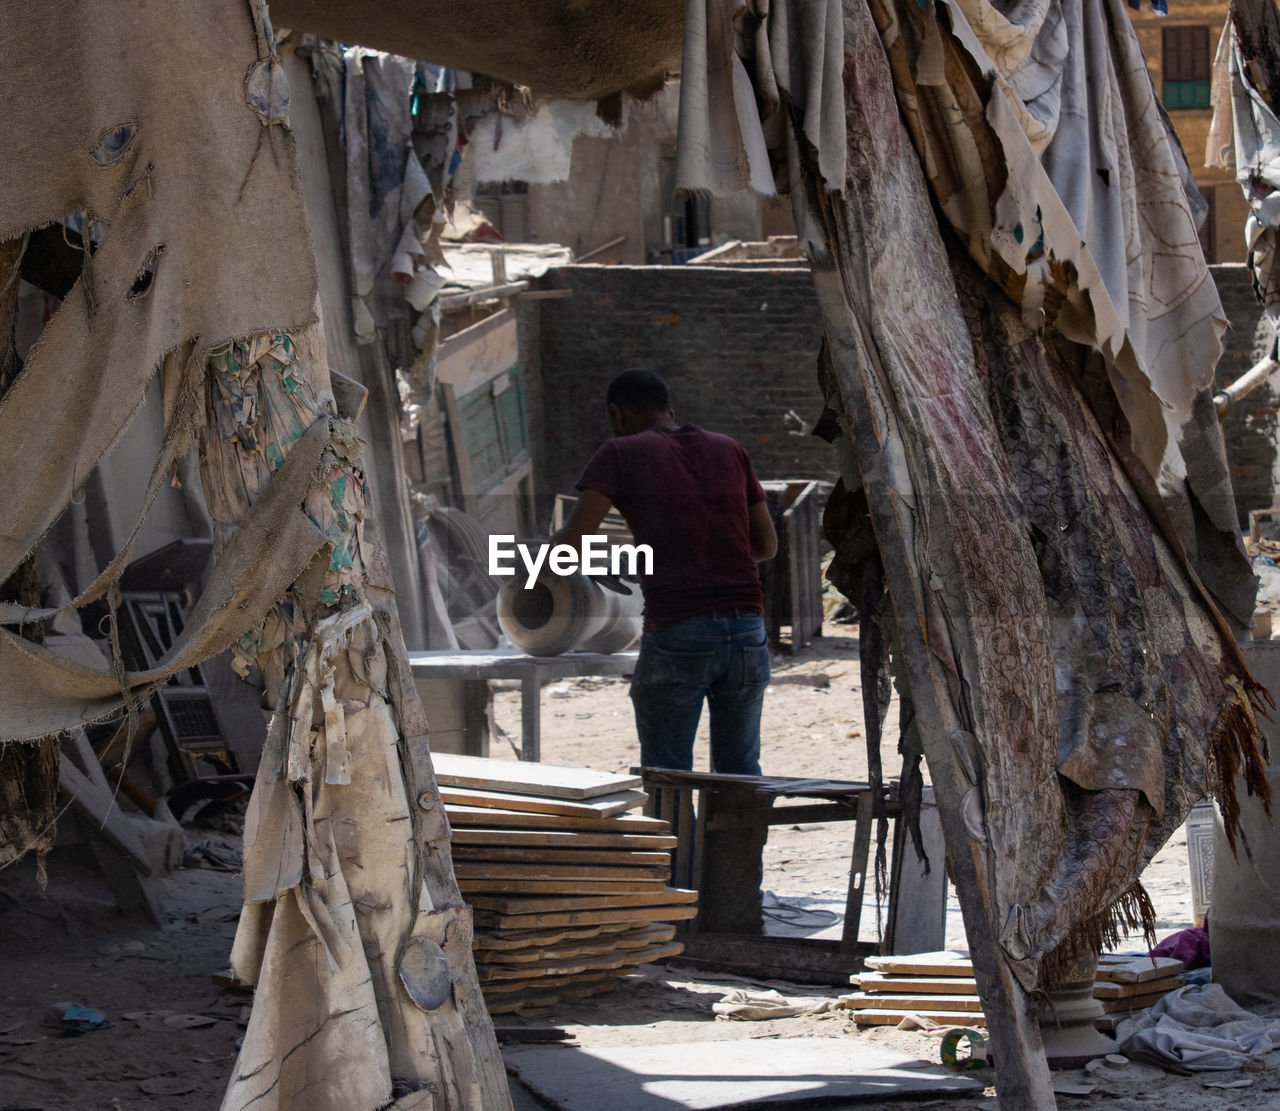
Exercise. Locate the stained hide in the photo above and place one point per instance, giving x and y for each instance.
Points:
(583, 50)
(181, 160)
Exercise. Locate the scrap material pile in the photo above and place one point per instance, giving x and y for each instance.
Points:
(569, 889)
(940, 987)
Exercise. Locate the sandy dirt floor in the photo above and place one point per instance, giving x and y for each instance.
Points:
(172, 1033)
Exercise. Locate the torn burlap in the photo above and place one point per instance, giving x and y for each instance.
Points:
(139, 116)
(42, 693)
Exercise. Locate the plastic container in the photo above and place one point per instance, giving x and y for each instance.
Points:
(1244, 928)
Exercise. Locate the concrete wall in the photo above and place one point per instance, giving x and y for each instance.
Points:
(623, 183)
(738, 349)
(1250, 428)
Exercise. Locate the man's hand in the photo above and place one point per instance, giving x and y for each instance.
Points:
(585, 519)
(763, 539)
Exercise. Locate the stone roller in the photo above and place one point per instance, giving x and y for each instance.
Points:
(573, 611)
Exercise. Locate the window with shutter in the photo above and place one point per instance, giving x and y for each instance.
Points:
(1186, 67)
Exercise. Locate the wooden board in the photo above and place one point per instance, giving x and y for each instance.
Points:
(493, 817)
(522, 777)
(540, 854)
(488, 920)
(492, 973)
(946, 962)
(1133, 1002)
(562, 839)
(491, 886)
(609, 943)
(605, 806)
(551, 983)
(524, 939)
(531, 998)
(1136, 970)
(517, 905)
(862, 999)
(942, 1018)
(932, 985)
(479, 869)
(1106, 989)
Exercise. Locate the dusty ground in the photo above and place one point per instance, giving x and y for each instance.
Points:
(172, 1034)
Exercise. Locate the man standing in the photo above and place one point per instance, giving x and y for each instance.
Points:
(692, 496)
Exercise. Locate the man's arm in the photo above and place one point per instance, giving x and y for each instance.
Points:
(585, 519)
(764, 541)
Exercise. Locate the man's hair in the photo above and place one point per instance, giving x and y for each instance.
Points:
(639, 390)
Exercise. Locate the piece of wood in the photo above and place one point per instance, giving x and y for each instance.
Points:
(153, 847)
(566, 839)
(874, 1001)
(491, 886)
(136, 894)
(453, 428)
(552, 982)
(1135, 970)
(876, 1017)
(525, 939)
(610, 943)
(1133, 1002)
(523, 778)
(490, 817)
(538, 854)
(604, 806)
(944, 962)
(583, 917)
(1108, 989)
(932, 985)
(490, 973)
(802, 960)
(626, 935)
(479, 869)
(531, 999)
(917, 917)
(517, 905)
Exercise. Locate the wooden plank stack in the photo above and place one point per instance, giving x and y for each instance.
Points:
(940, 987)
(569, 889)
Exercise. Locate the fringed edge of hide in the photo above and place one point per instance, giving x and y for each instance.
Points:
(1100, 932)
(28, 799)
(1237, 748)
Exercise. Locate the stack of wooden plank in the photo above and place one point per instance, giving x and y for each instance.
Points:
(569, 889)
(940, 987)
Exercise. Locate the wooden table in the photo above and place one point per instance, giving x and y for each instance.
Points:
(722, 822)
(532, 671)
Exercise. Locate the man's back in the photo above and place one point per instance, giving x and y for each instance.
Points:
(685, 492)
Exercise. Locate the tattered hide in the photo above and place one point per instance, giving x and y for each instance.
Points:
(357, 936)
(129, 148)
(1088, 691)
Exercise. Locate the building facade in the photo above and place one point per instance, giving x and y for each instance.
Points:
(1180, 48)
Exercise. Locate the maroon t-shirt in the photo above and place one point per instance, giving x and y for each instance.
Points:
(684, 491)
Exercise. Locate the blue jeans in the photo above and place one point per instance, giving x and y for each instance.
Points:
(722, 659)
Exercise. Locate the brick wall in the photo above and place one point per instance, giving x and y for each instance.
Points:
(737, 347)
(1250, 427)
